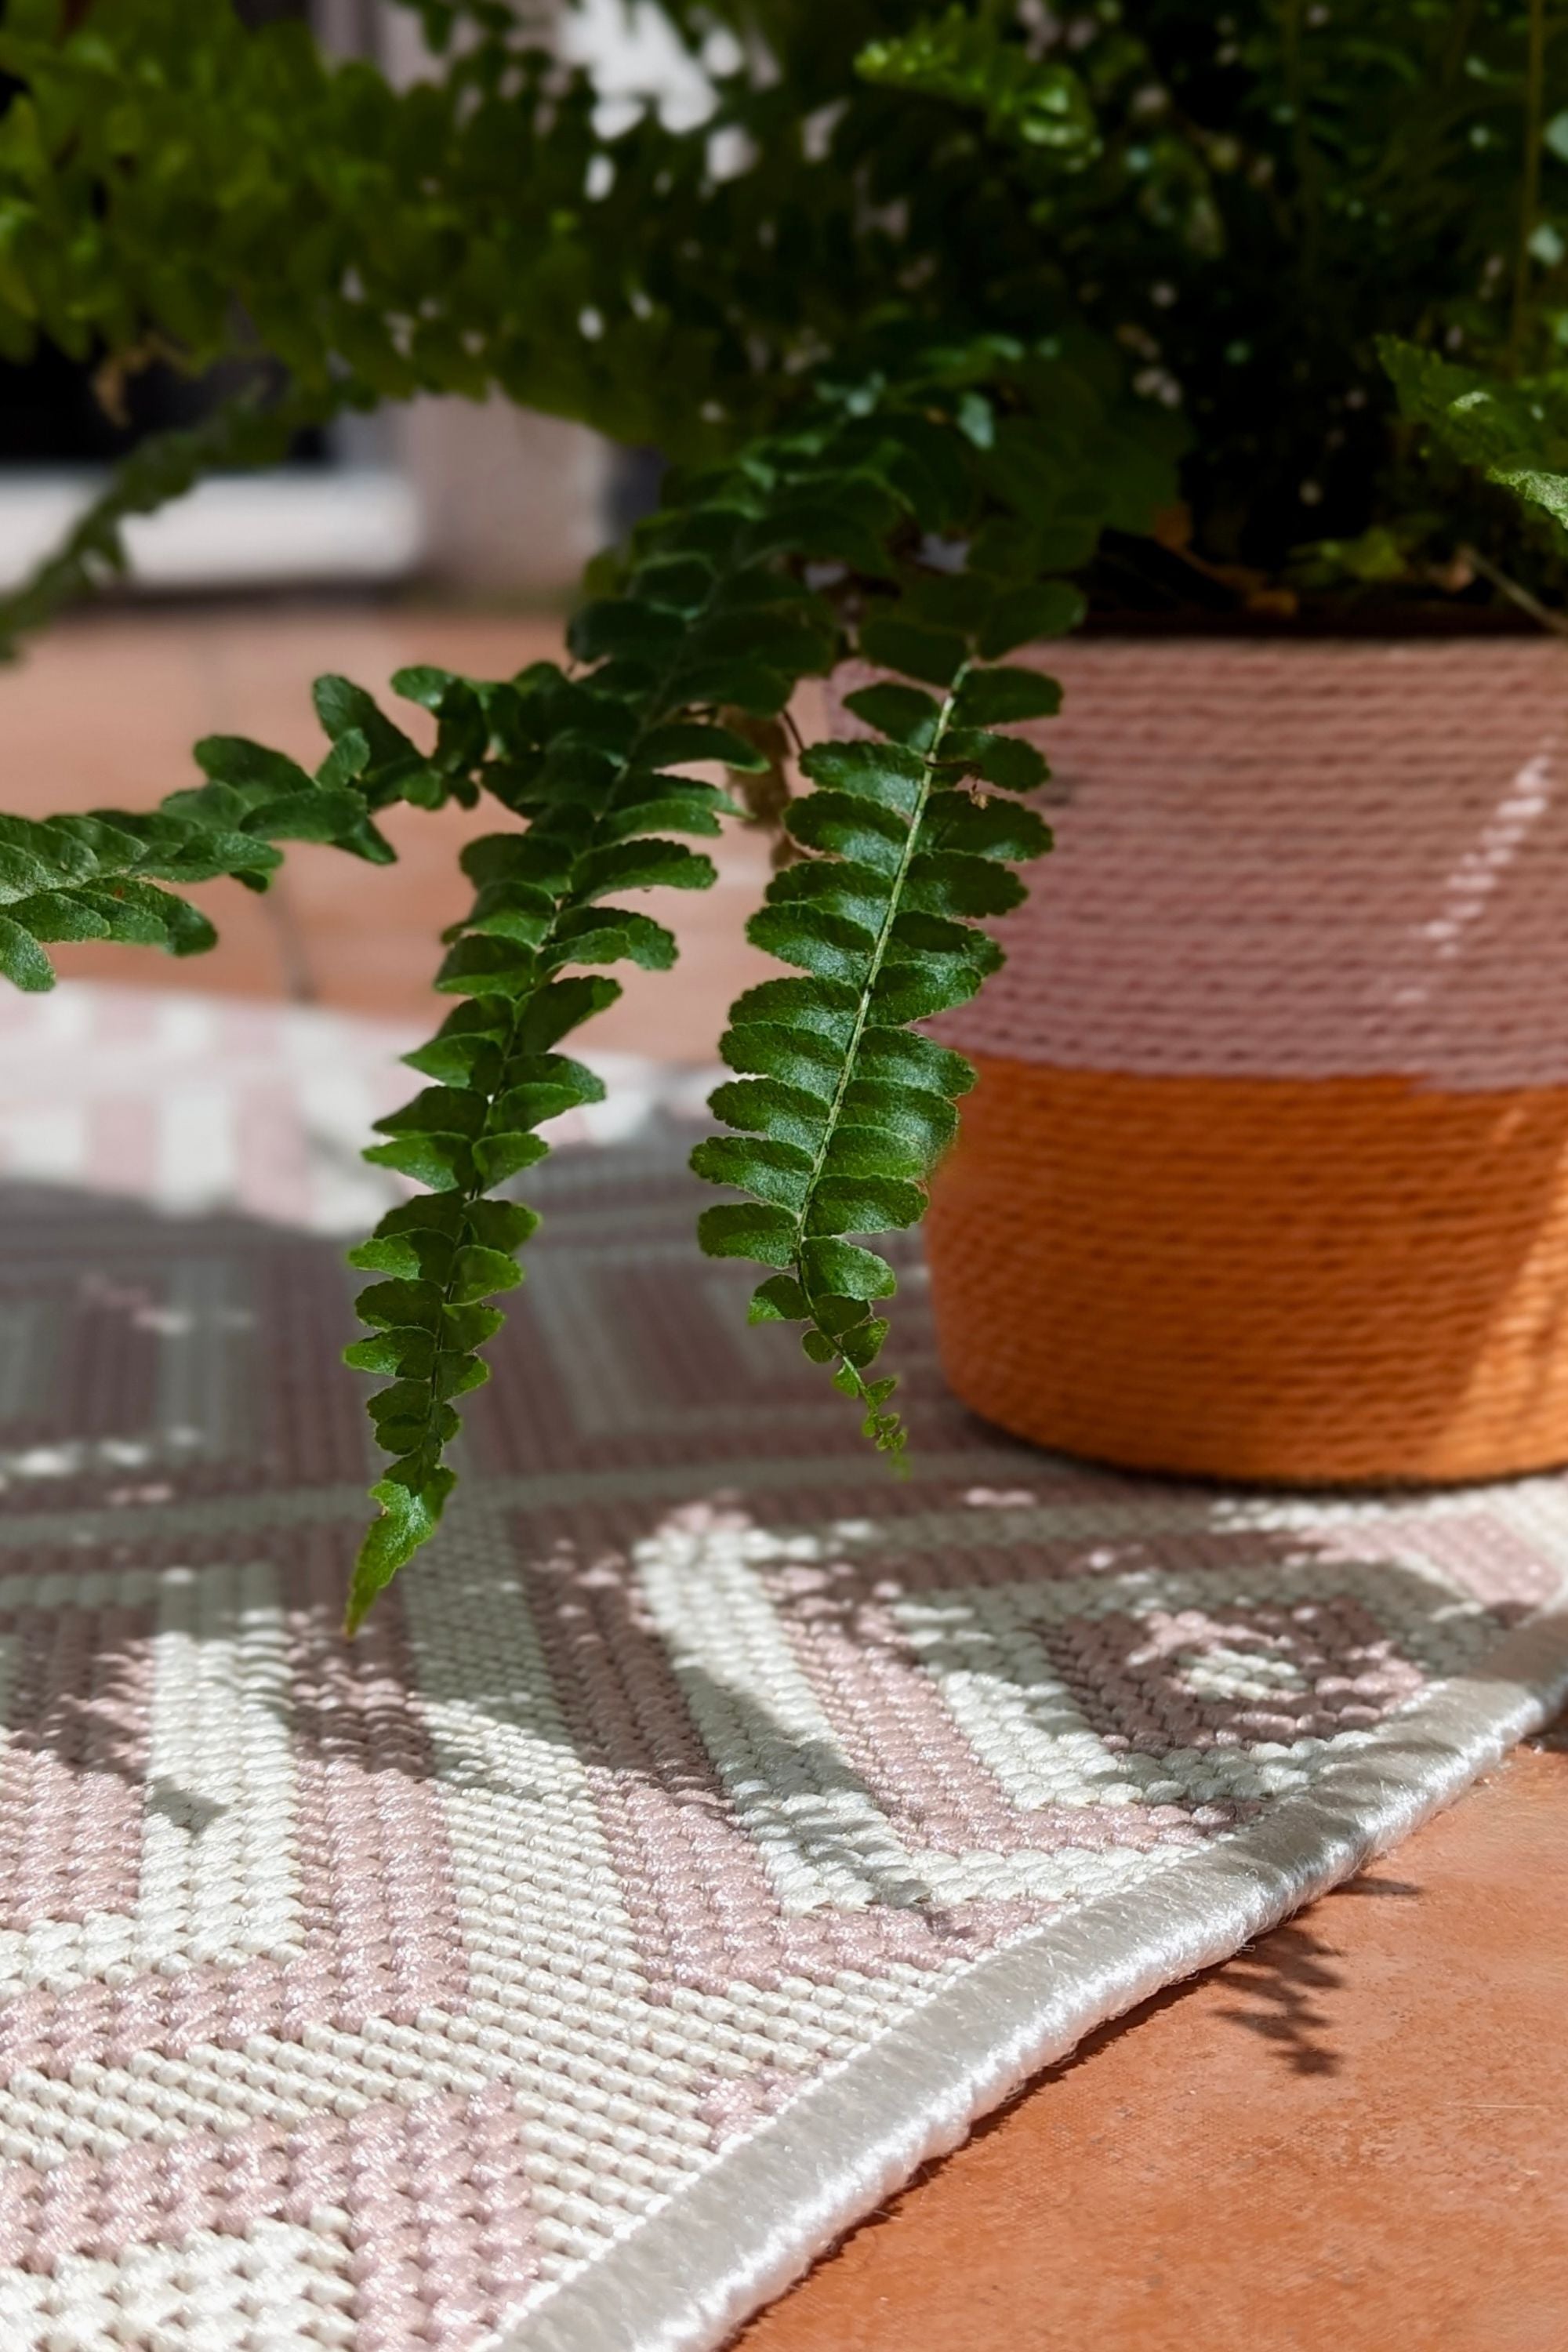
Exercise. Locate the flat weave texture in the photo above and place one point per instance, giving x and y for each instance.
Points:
(704, 1831)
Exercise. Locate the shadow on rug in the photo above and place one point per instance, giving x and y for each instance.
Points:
(704, 1833)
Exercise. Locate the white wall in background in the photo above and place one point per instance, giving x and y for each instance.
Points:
(511, 501)
(298, 526)
(634, 56)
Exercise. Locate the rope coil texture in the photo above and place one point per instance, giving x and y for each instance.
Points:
(1267, 1173)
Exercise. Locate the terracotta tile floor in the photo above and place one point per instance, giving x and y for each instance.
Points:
(1354, 2136)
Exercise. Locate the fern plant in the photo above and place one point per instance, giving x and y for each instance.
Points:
(840, 1106)
(811, 544)
(948, 321)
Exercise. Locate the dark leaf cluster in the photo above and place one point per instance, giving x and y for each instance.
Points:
(1234, 205)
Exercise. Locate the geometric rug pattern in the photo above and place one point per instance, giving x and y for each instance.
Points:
(383, 1996)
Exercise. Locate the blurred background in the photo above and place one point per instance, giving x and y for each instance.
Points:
(442, 530)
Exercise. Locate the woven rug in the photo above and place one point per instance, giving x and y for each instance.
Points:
(703, 1833)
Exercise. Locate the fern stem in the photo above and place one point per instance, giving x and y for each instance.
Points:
(1514, 590)
(862, 1014)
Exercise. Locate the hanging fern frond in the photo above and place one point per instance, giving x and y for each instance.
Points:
(841, 1107)
(710, 620)
(714, 623)
(835, 536)
(102, 877)
(67, 878)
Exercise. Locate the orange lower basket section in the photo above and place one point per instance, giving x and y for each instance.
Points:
(1304, 1281)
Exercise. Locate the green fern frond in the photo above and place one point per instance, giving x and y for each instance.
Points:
(823, 539)
(841, 1106)
(708, 620)
(1514, 433)
(104, 876)
(902, 850)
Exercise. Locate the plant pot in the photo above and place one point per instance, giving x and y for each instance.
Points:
(1265, 1174)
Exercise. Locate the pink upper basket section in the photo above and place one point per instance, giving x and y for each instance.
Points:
(1297, 860)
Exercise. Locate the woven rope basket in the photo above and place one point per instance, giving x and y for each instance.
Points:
(1266, 1175)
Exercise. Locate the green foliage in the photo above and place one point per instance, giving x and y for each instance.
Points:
(101, 877)
(1038, 103)
(1513, 434)
(841, 1110)
(907, 513)
(925, 312)
(171, 181)
(1234, 205)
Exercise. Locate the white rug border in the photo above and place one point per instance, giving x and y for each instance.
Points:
(688, 2277)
